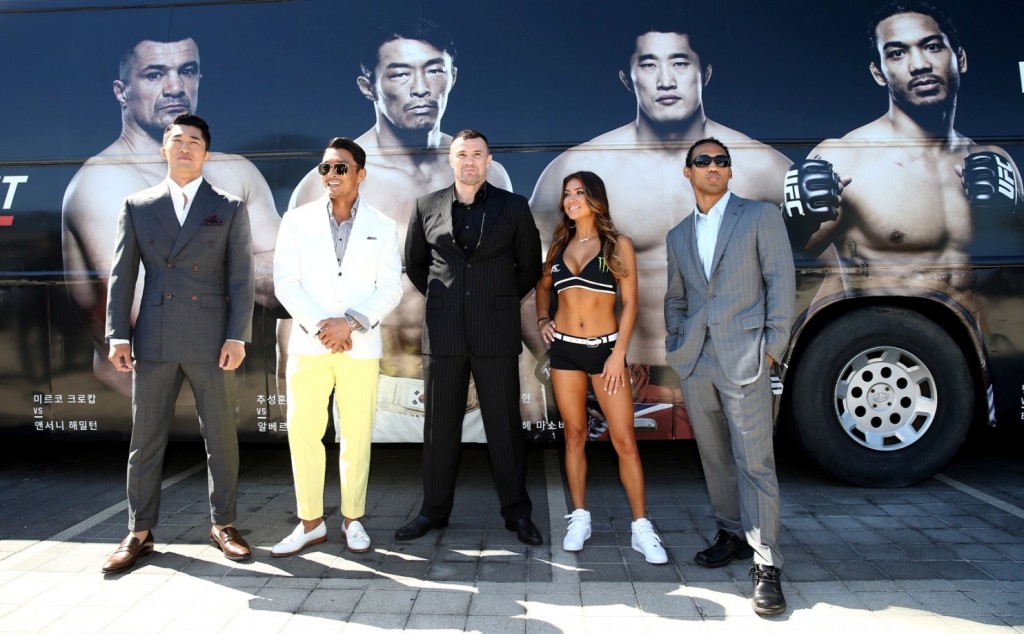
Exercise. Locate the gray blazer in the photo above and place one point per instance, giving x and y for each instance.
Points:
(199, 287)
(747, 305)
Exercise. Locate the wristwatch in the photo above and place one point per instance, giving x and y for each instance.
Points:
(353, 325)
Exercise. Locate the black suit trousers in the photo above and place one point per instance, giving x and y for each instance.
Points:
(497, 384)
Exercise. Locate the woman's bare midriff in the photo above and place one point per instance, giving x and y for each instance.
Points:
(583, 313)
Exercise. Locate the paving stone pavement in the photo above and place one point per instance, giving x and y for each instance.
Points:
(946, 555)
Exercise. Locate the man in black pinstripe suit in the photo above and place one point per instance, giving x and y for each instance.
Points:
(474, 251)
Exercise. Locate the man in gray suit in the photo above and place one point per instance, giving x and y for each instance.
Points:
(728, 313)
(195, 244)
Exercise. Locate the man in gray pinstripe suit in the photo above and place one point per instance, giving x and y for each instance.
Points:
(728, 313)
(195, 244)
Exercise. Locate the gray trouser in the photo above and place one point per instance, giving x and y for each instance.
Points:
(733, 427)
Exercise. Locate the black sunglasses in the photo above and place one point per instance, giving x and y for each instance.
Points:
(704, 160)
(339, 168)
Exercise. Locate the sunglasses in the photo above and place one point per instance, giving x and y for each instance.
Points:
(339, 168)
(704, 160)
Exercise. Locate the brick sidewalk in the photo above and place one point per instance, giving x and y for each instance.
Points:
(931, 558)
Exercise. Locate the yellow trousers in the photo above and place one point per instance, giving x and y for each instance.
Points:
(311, 377)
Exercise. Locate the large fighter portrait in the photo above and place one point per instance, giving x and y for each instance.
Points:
(913, 187)
(407, 71)
(156, 81)
(666, 66)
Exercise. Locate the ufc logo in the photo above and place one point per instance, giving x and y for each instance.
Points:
(791, 194)
(1004, 177)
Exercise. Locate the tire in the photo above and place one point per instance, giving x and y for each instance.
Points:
(882, 397)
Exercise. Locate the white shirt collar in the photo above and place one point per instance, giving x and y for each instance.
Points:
(706, 228)
(189, 189)
(177, 193)
(355, 208)
(718, 210)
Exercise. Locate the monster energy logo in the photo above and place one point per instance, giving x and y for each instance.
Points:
(601, 266)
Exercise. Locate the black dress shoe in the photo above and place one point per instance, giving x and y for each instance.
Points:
(768, 597)
(418, 527)
(727, 546)
(525, 530)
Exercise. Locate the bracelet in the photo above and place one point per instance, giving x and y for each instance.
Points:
(543, 318)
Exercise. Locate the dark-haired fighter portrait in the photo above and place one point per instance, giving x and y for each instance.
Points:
(667, 69)
(913, 188)
(407, 72)
(156, 82)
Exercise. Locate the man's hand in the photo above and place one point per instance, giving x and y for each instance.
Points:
(121, 356)
(231, 355)
(812, 196)
(335, 334)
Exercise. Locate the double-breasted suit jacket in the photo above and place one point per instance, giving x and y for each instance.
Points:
(199, 283)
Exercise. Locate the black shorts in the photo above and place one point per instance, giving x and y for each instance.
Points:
(579, 356)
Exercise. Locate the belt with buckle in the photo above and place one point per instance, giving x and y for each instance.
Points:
(590, 342)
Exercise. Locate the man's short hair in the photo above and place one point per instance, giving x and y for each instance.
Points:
(193, 120)
(124, 69)
(696, 44)
(709, 139)
(895, 7)
(345, 143)
(690, 20)
(469, 133)
(419, 29)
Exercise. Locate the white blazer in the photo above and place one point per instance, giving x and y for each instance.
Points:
(312, 287)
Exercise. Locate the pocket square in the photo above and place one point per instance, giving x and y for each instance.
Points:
(213, 220)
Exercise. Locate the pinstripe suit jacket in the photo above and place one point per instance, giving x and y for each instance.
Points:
(747, 304)
(199, 287)
(473, 303)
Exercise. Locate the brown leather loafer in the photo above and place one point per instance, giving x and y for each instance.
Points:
(128, 553)
(230, 542)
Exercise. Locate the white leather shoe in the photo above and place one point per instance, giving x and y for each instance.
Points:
(647, 541)
(300, 540)
(355, 537)
(578, 530)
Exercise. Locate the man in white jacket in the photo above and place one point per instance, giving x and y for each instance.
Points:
(338, 272)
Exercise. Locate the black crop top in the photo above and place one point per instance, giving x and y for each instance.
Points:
(595, 276)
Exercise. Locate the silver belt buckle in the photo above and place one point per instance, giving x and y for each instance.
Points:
(593, 342)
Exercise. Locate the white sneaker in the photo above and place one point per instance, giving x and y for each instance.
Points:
(578, 531)
(299, 540)
(355, 537)
(646, 541)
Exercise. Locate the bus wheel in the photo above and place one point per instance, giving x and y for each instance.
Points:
(881, 397)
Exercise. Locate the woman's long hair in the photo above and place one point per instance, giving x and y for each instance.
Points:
(597, 198)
